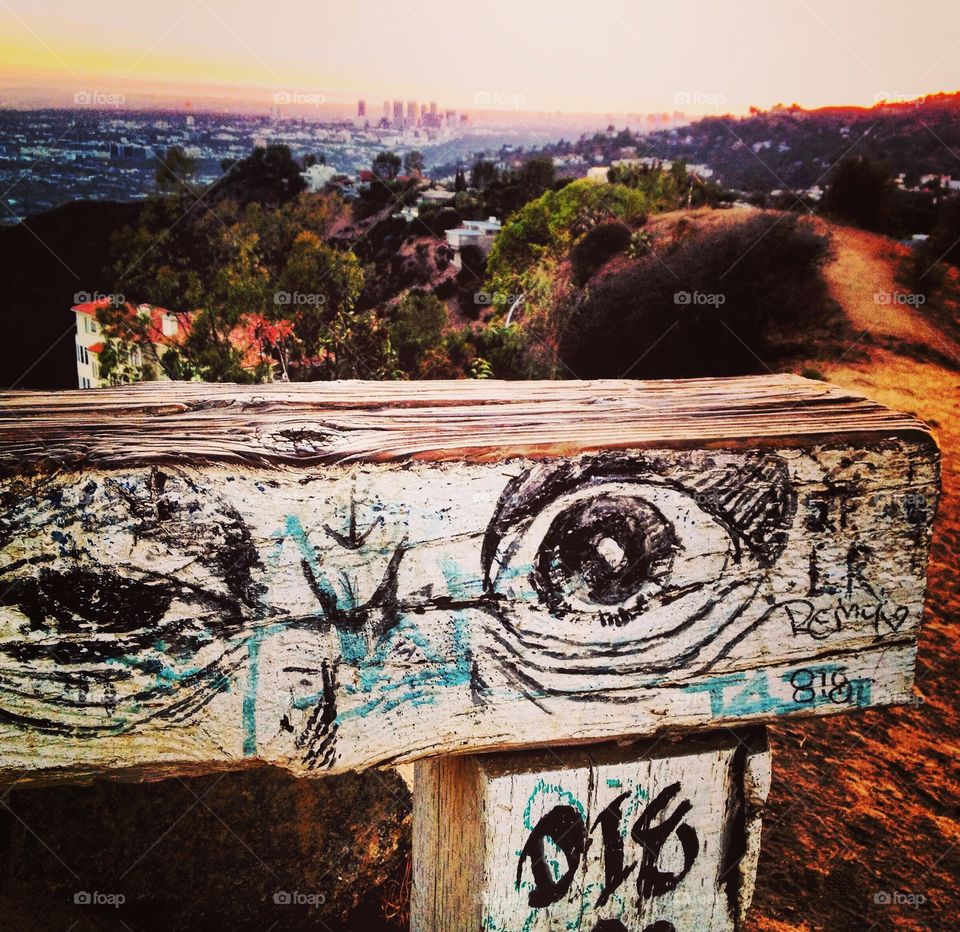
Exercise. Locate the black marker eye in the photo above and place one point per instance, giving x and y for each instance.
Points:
(607, 551)
(104, 636)
(637, 565)
(74, 601)
(611, 553)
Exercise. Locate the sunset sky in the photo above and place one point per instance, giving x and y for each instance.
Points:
(598, 56)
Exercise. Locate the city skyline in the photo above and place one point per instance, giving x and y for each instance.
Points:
(614, 57)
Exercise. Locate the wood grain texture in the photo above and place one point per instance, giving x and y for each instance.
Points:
(661, 836)
(313, 423)
(177, 597)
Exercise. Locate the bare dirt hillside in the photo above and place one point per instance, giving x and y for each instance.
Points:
(862, 279)
(866, 808)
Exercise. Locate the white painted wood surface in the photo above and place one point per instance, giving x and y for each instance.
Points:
(658, 836)
(189, 582)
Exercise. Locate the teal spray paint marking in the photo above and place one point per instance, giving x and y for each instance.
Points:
(416, 688)
(250, 695)
(755, 697)
(387, 692)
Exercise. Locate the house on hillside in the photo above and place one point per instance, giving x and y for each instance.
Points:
(316, 177)
(437, 196)
(164, 329)
(255, 336)
(479, 233)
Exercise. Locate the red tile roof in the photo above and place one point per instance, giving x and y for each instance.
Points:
(155, 330)
(253, 335)
(90, 308)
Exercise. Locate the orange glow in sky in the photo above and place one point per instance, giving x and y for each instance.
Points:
(599, 56)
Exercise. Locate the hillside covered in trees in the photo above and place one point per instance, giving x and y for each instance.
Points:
(581, 279)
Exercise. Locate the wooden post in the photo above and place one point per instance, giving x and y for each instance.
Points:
(333, 577)
(658, 836)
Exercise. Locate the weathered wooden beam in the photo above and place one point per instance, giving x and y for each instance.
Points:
(330, 577)
(659, 836)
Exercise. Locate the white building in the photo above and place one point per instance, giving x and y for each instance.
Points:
(437, 196)
(164, 330)
(598, 173)
(89, 342)
(479, 233)
(318, 176)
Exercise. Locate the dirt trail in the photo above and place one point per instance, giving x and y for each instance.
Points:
(861, 277)
(868, 805)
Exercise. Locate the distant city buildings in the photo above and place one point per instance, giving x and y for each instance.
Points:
(361, 108)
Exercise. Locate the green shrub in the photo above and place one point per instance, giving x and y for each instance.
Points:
(597, 246)
(707, 307)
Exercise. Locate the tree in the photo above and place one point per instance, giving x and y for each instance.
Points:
(268, 176)
(483, 174)
(762, 274)
(460, 182)
(175, 170)
(414, 162)
(537, 176)
(319, 288)
(417, 329)
(223, 274)
(386, 166)
(860, 192)
(597, 246)
(239, 286)
(925, 270)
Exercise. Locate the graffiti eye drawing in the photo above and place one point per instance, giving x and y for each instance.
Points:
(98, 637)
(604, 550)
(143, 598)
(610, 566)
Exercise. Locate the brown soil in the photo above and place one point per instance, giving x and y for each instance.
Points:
(867, 806)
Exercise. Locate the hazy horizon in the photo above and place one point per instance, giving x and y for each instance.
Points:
(613, 57)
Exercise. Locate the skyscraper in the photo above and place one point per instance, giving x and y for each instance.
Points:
(413, 113)
(361, 108)
(398, 114)
(386, 110)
